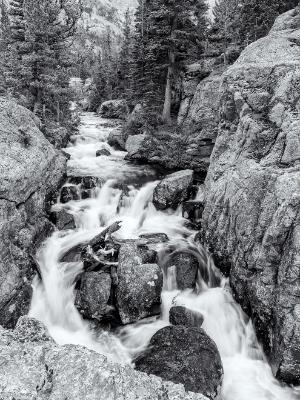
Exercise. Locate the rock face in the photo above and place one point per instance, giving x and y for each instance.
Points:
(184, 355)
(173, 189)
(34, 367)
(31, 172)
(140, 285)
(114, 109)
(251, 219)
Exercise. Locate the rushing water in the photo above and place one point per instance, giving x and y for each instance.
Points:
(247, 374)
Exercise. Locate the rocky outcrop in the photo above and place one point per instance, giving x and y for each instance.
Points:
(31, 171)
(114, 109)
(251, 219)
(140, 284)
(34, 367)
(184, 355)
(173, 189)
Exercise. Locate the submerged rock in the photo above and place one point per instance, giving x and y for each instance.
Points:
(173, 189)
(32, 170)
(184, 355)
(186, 265)
(114, 109)
(103, 152)
(183, 316)
(140, 285)
(34, 367)
(93, 295)
(251, 220)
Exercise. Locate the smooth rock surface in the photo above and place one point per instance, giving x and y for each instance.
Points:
(31, 170)
(184, 355)
(251, 220)
(34, 367)
(173, 189)
(140, 285)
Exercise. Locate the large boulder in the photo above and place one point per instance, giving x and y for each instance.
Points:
(34, 367)
(173, 189)
(184, 355)
(114, 109)
(93, 295)
(136, 147)
(251, 220)
(140, 285)
(31, 172)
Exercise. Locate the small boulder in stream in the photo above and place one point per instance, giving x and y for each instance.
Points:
(103, 152)
(173, 189)
(69, 193)
(140, 285)
(186, 264)
(93, 295)
(184, 316)
(184, 355)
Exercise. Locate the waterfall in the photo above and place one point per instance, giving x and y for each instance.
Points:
(247, 375)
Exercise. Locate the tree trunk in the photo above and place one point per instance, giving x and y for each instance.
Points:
(168, 93)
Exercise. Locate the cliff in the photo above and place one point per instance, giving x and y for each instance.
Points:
(251, 220)
(31, 171)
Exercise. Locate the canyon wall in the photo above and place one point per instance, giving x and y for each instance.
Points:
(31, 170)
(251, 220)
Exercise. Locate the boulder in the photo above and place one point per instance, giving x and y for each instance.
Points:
(32, 170)
(114, 109)
(183, 316)
(187, 265)
(251, 220)
(184, 355)
(173, 189)
(62, 220)
(136, 146)
(155, 238)
(34, 367)
(93, 295)
(117, 139)
(140, 285)
(103, 152)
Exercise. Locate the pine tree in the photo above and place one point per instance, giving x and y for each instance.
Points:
(125, 58)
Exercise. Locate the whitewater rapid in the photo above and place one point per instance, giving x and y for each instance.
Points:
(247, 375)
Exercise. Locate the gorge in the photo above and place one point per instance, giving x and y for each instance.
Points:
(108, 291)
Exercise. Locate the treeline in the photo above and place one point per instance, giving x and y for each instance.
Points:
(165, 35)
(36, 58)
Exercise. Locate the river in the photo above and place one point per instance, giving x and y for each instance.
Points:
(247, 375)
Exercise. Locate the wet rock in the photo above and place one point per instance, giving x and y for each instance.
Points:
(69, 193)
(184, 355)
(73, 254)
(173, 189)
(251, 220)
(140, 285)
(186, 264)
(103, 152)
(31, 330)
(62, 220)
(32, 170)
(86, 185)
(93, 295)
(155, 238)
(135, 146)
(117, 139)
(193, 210)
(114, 109)
(46, 370)
(183, 316)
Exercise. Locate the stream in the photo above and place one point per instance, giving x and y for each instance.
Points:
(247, 375)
